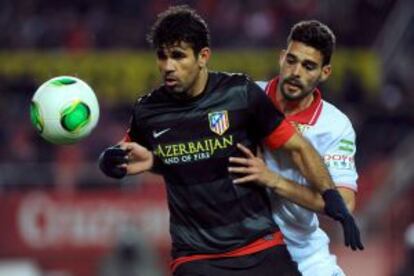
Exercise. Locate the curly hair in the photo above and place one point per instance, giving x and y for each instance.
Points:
(314, 34)
(179, 24)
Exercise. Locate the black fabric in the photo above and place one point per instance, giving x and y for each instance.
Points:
(193, 139)
(335, 208)
(263, 110)
(274, 261)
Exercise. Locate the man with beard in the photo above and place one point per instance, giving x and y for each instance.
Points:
(303, 65)
(186, 129)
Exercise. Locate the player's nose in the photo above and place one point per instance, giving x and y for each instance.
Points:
(296, 70)
(169, 65)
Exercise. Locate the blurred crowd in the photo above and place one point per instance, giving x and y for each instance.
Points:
(108, 24)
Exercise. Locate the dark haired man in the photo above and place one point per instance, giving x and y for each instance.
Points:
(186, 130)
(303, 65)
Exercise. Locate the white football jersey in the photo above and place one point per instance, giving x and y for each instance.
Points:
(331, 133)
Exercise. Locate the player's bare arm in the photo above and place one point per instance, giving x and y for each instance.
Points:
(254, 169)
(309, 163)
(333, 205)
(349, 197)
(312, 167)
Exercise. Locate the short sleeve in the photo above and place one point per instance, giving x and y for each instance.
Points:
(268, 120)
(136, 130)
(132, 132)
(339, 158)
(136, 133)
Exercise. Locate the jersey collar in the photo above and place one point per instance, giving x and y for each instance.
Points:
(308, 116)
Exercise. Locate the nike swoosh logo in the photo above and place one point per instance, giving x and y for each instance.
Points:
(157, 134)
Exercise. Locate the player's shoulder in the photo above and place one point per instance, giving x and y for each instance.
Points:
(333, 113)
(226, 77)
(151, 96)
(262, 84)
(333, 118)
(230, 83)
(145, 102)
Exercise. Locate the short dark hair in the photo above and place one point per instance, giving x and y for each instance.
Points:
(179, 24)
(314, 34)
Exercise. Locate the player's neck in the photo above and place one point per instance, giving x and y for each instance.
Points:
(199, 85)
(292, 107)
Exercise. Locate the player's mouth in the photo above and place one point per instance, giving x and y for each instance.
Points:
(170, 81)
(293, 86)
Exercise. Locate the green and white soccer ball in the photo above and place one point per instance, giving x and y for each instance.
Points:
(64, 110)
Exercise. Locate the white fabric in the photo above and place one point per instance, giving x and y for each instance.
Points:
(334, 138)
(320, 263)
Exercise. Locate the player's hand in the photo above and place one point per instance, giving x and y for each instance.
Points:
(335, 208)
(139, 158)
(111, 161)
(252, 168)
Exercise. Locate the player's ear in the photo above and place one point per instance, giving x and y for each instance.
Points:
(204, 56)
(326, 72)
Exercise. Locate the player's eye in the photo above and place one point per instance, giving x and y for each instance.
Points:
(309, 66)
(177, 55)
(290, 59)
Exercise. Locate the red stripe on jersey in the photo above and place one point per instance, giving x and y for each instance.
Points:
(308, 116)
(254, 247)
(271, 89)
(311, 114)
(126, 138)
(280, 135)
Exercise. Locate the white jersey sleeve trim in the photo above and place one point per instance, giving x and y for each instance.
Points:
(347, 186)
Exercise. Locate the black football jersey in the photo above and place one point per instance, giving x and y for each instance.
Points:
(193, 140)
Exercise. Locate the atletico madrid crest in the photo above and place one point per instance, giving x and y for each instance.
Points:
(219, 121)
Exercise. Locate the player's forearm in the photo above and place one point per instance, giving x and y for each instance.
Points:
(349, 198)
(307, 197)
(312, 167)
(299, 194)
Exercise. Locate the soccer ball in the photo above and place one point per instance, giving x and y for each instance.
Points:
(64, 110)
